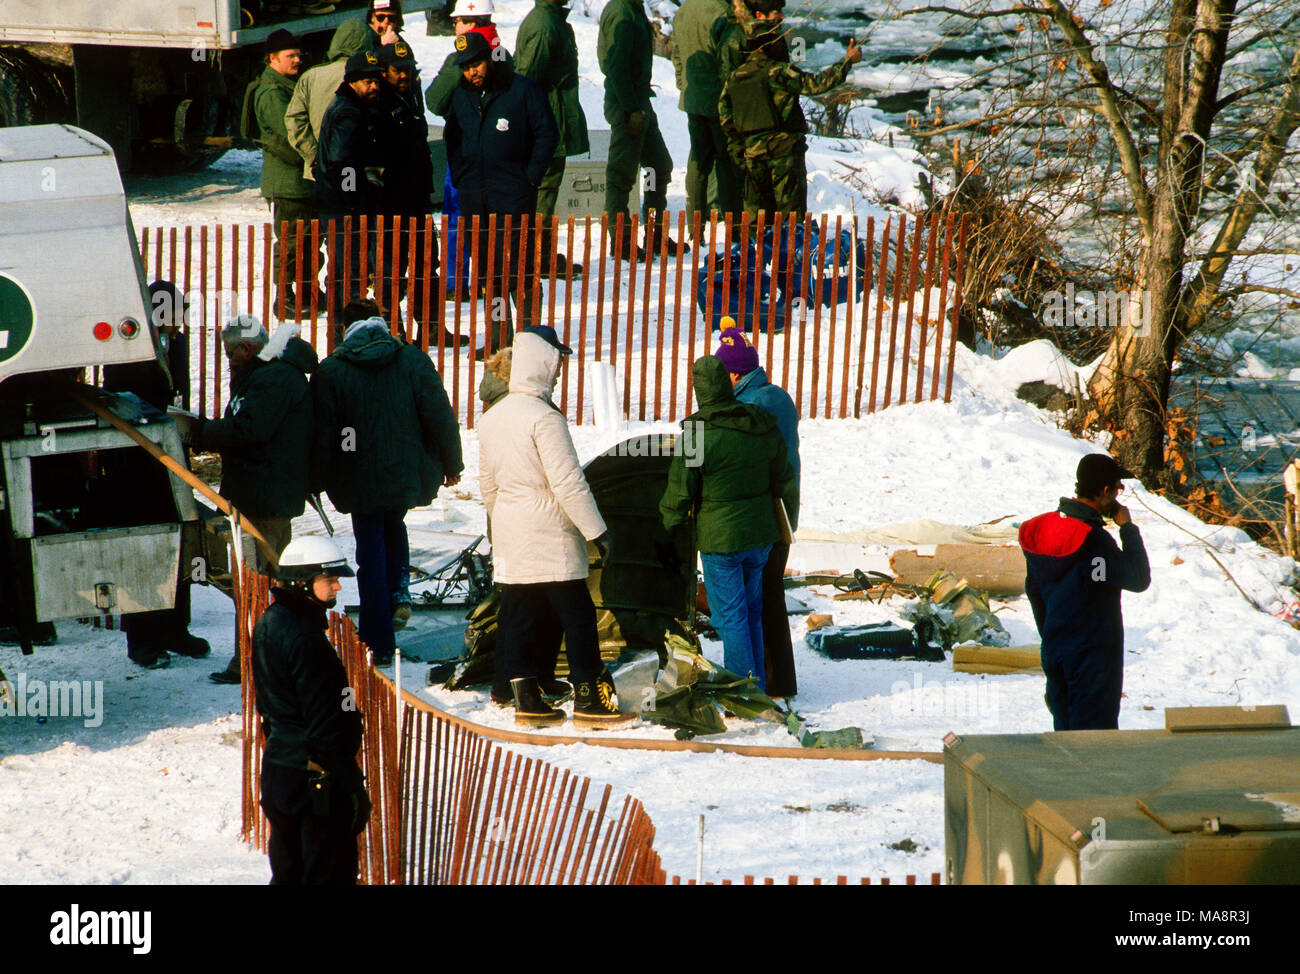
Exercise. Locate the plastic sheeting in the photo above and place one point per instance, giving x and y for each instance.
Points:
(999, 531)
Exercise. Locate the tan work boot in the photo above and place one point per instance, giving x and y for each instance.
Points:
(593, 706)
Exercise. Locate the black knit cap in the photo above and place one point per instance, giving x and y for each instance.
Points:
(1096, 472)
(281, 40)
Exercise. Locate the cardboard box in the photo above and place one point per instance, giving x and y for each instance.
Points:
(1123, 807)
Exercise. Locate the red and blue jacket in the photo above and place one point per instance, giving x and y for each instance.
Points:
(1076, 574)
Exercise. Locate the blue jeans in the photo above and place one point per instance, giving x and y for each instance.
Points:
(382, 555)
(734, 583)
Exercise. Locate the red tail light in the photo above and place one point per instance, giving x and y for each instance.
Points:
(103, 331)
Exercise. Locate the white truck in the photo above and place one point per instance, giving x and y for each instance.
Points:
(90, 524)
(160, 81)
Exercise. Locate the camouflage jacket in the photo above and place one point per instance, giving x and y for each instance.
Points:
(785, 83)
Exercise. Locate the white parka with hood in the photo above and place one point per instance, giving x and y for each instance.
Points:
(541, 511)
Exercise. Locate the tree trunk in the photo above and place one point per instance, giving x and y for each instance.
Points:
(1131, 387)
(1132, 384)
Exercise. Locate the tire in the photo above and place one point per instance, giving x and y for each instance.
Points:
(31, 91)
(192, 119)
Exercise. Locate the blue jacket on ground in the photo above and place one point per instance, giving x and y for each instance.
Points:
(499, 142)
(1076, 573)
(757, 390)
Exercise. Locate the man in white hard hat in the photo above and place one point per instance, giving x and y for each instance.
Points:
(467, 16)
(313, 792)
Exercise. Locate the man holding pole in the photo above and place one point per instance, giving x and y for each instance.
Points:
(264, 437)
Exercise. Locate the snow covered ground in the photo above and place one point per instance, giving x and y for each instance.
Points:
(118, 802)
(150, 791)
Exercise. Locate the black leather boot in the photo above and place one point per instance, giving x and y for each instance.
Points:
(530, 709)
(555, 691)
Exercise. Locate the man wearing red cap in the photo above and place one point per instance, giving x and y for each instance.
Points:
(500, 136)
(1076, 575)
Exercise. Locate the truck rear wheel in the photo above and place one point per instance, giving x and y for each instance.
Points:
(31, 91)
(192, 122)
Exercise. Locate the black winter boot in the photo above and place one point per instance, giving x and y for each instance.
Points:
(653, 239)
(530, 709)
(555, 691)
(188, 644)
(593, 706)
(228, 676)
(625, 252)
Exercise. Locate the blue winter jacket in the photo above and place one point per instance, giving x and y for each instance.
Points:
(757, 390)
(1076, 574)
(499, 142)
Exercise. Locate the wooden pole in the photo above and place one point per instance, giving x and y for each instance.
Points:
(959, 284)
(155, 451)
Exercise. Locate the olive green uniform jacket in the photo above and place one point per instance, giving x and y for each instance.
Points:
(547, 52)
(696, 33)
(316, 87)
(625, 49)
(281, 166)
(740, 467)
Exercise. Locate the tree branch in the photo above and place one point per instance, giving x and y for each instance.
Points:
(1015, 109)
(1015, 11)
(1130, 157)
(1272, 148)
(1264, 288)
(1241, 93)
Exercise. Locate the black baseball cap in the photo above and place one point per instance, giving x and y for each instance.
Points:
(397, 54)
(363, 64)
(546, 333)
(471, 47)
(1097, 471)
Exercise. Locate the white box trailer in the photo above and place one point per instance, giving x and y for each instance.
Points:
(67, 255)
(91, 524)
(162, 82)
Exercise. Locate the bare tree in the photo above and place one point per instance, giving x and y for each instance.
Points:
(1186, 111)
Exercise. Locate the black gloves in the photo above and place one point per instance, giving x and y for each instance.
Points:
(359, 802)
(604, 549)
(342, 792)
(666, 552)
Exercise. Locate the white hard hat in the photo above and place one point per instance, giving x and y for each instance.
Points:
(472, 8)
(305, 558)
